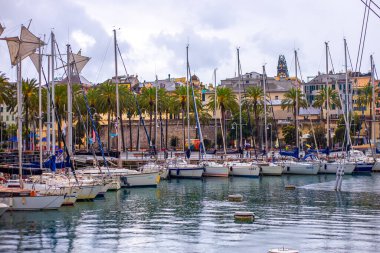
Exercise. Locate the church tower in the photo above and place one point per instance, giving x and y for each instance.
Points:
(282, 67)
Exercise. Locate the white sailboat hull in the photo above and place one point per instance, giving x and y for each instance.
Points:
(184, 172)
(332, 168)
(215, 171)
(271, 170)
(301, 168)
(150, 179)
(28, 203)
(70, 193)
(88, 192)
(376, 166)
(245, 171)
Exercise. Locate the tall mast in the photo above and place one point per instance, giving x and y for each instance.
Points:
(52, 92)
(119, 163)
(19, 120)
(347, 96)
(240, 121)
(327, 96)
(215, 103)
(69, 105)
(265, 109)
(297, 106)
(188, 96)
(156, 113)
(40, 103)
(48, 110)
(373, 102)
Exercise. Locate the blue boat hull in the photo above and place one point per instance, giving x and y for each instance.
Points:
(363, 168)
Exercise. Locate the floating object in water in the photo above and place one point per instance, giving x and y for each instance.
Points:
(235, 198)
(283, 250)
(290, 187)
(244, 216)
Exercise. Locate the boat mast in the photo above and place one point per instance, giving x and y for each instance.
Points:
(347, 96)
(48, 110)
(119, 162)
(215, 103)
(240, 120)
(297, 106)
(40, 103)
(52, 92)
(156, 113)
(265, 110)
(373, 103)
(188, 96)
(69, 105)
(19, 120)
(327, 96)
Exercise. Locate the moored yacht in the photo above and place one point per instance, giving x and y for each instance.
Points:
(243, 169)
(214, 169)
(179, 168)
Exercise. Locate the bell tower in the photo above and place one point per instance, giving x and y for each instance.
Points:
(282, 67)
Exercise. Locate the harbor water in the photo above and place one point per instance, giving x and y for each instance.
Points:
(195, 216)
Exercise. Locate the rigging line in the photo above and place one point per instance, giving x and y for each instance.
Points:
(59, 124)
(361, 35)
(374, 12)
(90, 114)
(331, 61)
(365, 35)
(103, 59)
(122, 59)
(349, 57)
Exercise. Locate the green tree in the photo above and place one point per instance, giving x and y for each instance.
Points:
(320, 136)
(254, 99)
(289, 133)
(226, 100)
(321, 99)
(290, 102)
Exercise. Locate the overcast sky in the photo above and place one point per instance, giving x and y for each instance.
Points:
(153, 34)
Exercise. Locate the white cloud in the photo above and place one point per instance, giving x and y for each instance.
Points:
(83, 40)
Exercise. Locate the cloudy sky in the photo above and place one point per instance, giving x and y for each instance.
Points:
(153, 34)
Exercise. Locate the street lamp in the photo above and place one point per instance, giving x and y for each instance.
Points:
(234, 126)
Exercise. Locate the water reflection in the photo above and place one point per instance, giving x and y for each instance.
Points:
(194, 216)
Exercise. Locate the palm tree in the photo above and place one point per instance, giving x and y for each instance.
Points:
(107, 104)
(148, 100)
(60, 106)
(254, 98)
(226, 100)
(130, 108)
(289, 102)
(321, 99)
(30, 103)
(181, 99)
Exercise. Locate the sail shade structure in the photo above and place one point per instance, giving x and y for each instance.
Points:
(20, 48)
(1, 29)
(35, 59)
(80, 62)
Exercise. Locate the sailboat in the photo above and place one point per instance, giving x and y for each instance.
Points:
(291, 166)
(20, 198)
(267, 168)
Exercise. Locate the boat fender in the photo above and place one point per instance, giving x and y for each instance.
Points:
(3, 180)
(33, 193)
(231, 168)
(288, 168)
(325, 166)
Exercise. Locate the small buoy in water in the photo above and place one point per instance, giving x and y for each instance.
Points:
(290, 187)
(235, 198)
(283, 250)
(244, 216)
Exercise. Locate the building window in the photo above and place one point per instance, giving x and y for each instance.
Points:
(247, 81)
(203, 97)
(1, 109)
(333, 86)
(7, 117)
(276, 97)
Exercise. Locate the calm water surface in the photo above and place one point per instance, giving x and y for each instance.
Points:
(194, 216)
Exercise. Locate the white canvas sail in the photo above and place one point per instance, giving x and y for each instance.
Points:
(35, 59)
(20, 48)
(80, 62)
